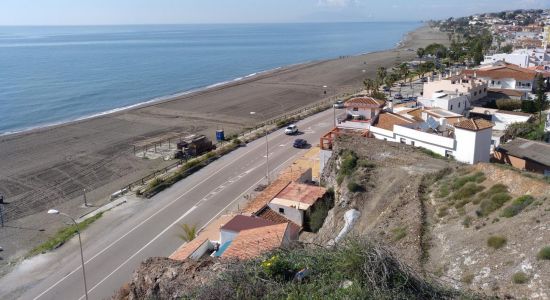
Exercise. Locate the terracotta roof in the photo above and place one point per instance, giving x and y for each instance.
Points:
(508, 92)
(187, 249)
(253, 242)
(386, 120)
(271, 215)
(303, 193)
(474, 124)
(503, 70)
(527, 149)
(364, 102)
(241, 222)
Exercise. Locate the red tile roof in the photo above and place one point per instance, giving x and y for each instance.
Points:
(474, 124)
(254, 242)
(241, 222)
(269, 214)
(303, 193)
(504, 70)
(365, 102)
(386, 120)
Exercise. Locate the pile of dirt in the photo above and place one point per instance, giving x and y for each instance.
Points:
(438, 215)
(164, 278)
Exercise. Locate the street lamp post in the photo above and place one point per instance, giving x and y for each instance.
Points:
(266, 151)
(56, 212)
(333, 108)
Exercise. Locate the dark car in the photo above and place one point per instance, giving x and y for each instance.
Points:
(299, 143)
(424, 79)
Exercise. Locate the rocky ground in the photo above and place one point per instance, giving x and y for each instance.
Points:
(427, 211)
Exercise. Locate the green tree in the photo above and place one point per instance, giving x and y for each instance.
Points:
(381, 74)
(369, 85)
(420, 52)
(507, 49)
(541, 101)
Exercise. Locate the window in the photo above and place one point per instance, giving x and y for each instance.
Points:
(355, 109)
(458, 104)
(412, 143)
(475, 93)
(493, 82)
(281, 210)
(451, 107)
(448, 153)
(403, 141)
(484, 89)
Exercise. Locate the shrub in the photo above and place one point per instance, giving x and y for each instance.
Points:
(349, 162)
(399, 233)
(467, 221)
(496, 241)
(520, 278)
(365, 163)
(431, 153)
(316, 218)
(236, 141)
(443, 190)
(467, 278)
(517, 206)
(468, 190)
(442, 211)
(488, 206)
(354, 187)
(459, 182)
(508, 104)
(544, 253)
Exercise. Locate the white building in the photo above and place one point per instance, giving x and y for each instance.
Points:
(506, 76)
(473, 88)
(524, 58)
(501, 118)
(295, 200)
(446, 100)
(467, 140)
(360, 112)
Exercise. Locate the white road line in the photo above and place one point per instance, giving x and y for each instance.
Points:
(143, 222)
(150, 217)
(178, 220)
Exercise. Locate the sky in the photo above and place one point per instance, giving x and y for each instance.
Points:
(103, 12)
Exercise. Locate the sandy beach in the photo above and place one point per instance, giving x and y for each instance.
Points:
(51, 166)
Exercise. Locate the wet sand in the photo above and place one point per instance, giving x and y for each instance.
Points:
(50, 167)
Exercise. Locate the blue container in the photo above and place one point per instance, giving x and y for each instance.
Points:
(220, 135)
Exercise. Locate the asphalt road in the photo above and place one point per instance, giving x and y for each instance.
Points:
(112, 254)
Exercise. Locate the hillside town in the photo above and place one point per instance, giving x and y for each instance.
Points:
(494, 111)
(435, 156)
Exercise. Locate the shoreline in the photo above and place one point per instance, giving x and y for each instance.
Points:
(50, 167)
(191, 92)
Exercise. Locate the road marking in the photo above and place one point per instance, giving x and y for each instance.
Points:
(280, 133)
(141, 249)
(143, 222)
(178, 220)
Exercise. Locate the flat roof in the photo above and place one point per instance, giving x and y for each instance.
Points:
(303, 194)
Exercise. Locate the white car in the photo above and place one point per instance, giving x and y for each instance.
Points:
(291, 129)
(339, 104)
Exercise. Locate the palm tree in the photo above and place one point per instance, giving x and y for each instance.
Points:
(189, 232)
(369, 85)
(381, 73)
(404, 70)
(389, 80)
(420, 52)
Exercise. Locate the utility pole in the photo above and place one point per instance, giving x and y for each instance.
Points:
(2, 210)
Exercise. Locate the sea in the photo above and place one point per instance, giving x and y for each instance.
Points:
(51, 75)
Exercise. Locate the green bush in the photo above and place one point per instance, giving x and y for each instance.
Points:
(467, 190)
(430, 153)
(544, 253)
(399, 233)
(508, 104)
(467, 221)
(496, 241)
(349, 162)
(316, 217)
(365, 163)
(520, 278)
(517, 206)
(467, 278)
(354, 187)
(371, 271)
(444, 190)
(459, 182)
(488, 206)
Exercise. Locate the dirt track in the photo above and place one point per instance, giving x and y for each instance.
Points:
(50, 167)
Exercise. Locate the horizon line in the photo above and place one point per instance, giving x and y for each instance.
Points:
(213, 23)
